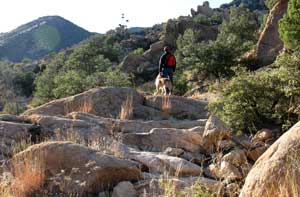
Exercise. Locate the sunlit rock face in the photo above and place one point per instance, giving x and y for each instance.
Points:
(39, 38)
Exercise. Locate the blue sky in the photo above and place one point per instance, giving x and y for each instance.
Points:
(97, 15)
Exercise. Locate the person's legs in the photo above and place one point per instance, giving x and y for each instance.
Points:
(165, 72)
(170, 74)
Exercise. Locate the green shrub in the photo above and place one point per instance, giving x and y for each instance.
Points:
(252, 100)
(138, 51)
(200, 61)
(115, 77)
(69, 83)
(13, 108)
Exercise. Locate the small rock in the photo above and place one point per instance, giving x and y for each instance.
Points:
(175, 152)
(244, 141)
(225, 145)
(124, 189)
(255, 153)
(262, 136)
(232, 189)
(236, 157)
(230, 172)
(197, 158)
(213, 171)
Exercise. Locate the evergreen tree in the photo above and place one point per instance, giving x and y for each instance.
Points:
(203, 60)
(289, 26)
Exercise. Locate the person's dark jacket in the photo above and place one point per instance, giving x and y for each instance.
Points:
(163, 62)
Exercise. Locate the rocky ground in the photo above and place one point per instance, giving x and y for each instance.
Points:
(119, 142)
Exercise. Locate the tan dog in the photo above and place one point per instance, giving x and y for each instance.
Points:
(163, 85)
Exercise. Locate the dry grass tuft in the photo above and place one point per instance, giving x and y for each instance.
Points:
(20, 146)
(286, 180)
(166, 106)
(291, 181)
(127, 108)
(83, 105)
(29, 176)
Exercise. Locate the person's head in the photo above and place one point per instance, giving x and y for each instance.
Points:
(167, 49)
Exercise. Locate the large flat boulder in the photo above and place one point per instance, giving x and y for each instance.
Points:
(88, 170)
(108, 101)
(159, 139)
(156, 162)
(276, 172)
(63, 125)
(178, 107)
(135, 126)
(160, 163)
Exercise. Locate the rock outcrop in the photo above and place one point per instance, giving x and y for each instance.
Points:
(174, 28)
(145, 66)
(270, 44)
(12, 133)
(276, 172)
(215, 131)
(167, 140)
(204, 10)
(131, 63)
(108, 101)
(87, 169)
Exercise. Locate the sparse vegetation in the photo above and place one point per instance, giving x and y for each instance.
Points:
(246, 99)
(166, 106)
(29, 176)
(126, 112)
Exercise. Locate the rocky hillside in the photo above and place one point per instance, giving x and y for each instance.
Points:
(120, 142)
(40, 37)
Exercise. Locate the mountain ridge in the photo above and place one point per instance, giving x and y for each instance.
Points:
(40, 37)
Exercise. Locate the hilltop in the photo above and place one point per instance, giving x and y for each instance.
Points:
(40, 37)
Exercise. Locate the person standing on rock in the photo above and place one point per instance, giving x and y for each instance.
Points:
(167, 64)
